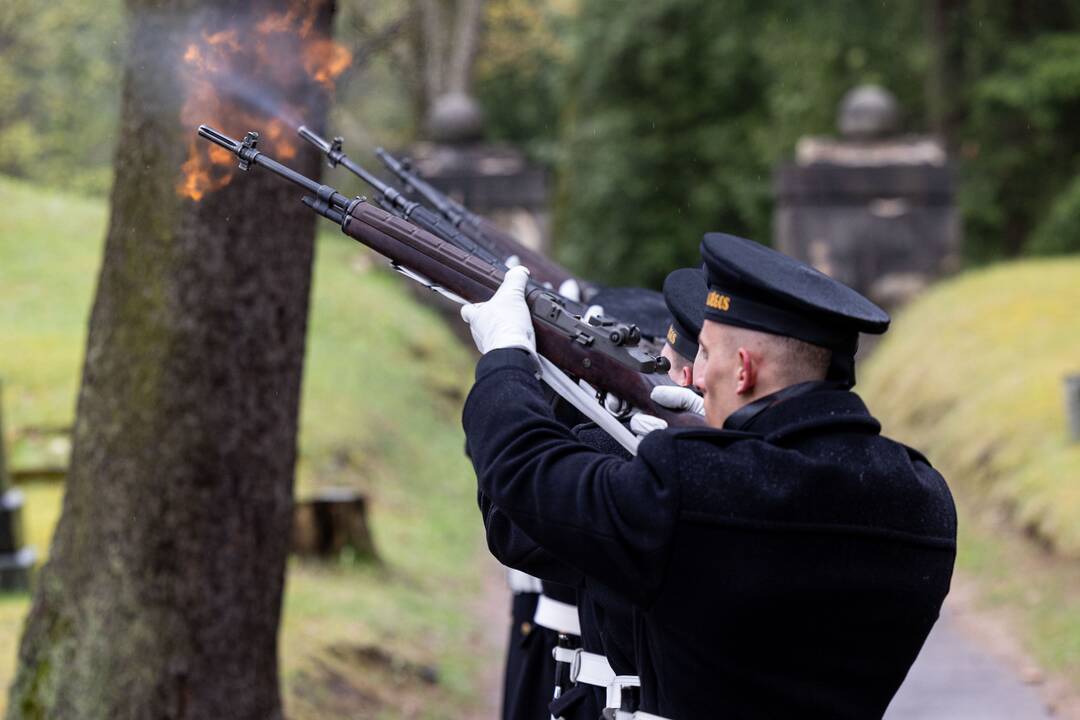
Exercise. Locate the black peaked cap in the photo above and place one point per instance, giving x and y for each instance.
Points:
(759, 288)
(684, 293)
(644, 308)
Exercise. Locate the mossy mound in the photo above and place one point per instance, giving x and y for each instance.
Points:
(972, 374)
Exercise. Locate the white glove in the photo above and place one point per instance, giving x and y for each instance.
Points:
(593, 311)
(503, 321)
(617, 406)
(512, 261)
(678, 398)
(642, 424)
(669, 396)
(569, 288)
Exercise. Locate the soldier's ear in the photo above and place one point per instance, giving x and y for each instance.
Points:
(745, 373)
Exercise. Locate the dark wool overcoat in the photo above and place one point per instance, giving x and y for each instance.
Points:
(793, 570)
(606, 619)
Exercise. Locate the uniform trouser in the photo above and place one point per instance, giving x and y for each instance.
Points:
(530, 668)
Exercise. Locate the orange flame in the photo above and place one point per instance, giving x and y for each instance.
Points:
(324, 60)
(235, 76)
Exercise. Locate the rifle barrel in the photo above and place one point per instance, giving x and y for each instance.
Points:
(250, 156)
(336, 156)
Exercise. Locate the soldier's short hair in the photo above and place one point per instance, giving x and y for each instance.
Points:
(803, 358)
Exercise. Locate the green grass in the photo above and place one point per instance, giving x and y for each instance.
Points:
(971, 374)
(383, 386)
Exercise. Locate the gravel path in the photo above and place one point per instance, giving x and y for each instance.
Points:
(956, 678)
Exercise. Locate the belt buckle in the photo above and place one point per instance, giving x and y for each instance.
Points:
(615, 699)
(575, 665)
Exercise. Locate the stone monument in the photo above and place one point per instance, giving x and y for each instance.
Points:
(15, 560)
(872, 208)
(494, 180)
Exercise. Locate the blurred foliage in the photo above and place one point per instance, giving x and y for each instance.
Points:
(519, 74)
(1022, 173)
(60, 65)
(679, 109)
(377, 100)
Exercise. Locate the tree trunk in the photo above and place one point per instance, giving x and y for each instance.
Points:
(162, 594)
(446, 45)
(944, 94)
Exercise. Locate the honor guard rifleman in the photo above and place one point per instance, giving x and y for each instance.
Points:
(684, 295)
(546, 615)
(787, 560)
(606, 653)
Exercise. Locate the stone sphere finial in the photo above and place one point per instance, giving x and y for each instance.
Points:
(868, 112)
(455, 118)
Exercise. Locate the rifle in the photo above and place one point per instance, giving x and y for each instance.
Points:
(600, 353)
(393, 201)
(479, 228)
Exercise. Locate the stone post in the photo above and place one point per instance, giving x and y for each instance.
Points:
(491, 179)
(872, 208)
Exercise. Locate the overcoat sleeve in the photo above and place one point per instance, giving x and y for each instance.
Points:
(608, 518)
(515, 549)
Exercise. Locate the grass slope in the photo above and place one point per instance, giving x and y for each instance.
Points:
(383, 387)
(971, 374)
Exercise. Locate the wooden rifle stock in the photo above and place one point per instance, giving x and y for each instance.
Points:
(476, 281)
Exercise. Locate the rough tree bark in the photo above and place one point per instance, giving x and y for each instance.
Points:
(162, 594)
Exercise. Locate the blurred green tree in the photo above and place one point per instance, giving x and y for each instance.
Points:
(663, 102)
(520, 70)
(679, 109)
(60, 67)
(1021, 151)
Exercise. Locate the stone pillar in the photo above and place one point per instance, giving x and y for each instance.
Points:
(15, 560)
(493, 180)
(872, 208)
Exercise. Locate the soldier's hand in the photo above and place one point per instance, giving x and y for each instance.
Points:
(504, 320)
(642, 424)
(678, 398)
(570, 289)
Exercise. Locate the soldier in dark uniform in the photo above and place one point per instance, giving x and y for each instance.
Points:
(684, 294)
(606, 620)
(542, 611)
(787, 561)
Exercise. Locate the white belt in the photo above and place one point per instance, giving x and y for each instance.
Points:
(520, 582)
(623, 715)
(586, 667)
(593, 669)
(558, 616)
(615, 688)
